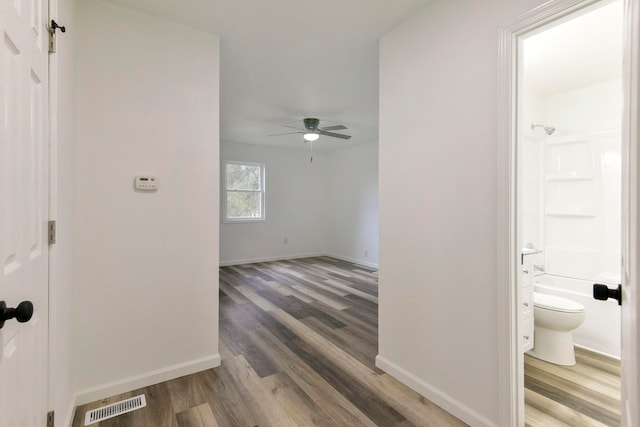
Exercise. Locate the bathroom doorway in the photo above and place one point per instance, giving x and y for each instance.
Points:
(568, 139)
(569, 122)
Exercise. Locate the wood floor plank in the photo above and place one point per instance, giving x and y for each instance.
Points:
(585, 394)
(354, 344)
(240, 343)
(574, 393)
(296, 403)
(299, 311)
(244, 375)
(186, 392)
(255, 298)
(339, 408)
(543, 411)
(334, 302)
(582, 375)
(198, 416)
(287, 329)
(598, 361)
(230, 401)
(351, 291)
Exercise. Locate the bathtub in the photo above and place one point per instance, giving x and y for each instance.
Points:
(600, 331)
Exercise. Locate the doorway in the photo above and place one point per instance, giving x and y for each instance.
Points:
(568, 149)
(510, 246)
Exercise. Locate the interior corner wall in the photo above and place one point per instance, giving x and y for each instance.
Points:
(352, 217)
(62, 210)
(296, 194)
(145, 294)
(438, 204)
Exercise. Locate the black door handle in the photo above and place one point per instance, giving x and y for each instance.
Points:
(22, 313)
(602, 292)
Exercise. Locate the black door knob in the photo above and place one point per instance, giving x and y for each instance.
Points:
(602, 292)
(22, 313)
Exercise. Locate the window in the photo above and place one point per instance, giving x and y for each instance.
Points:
(243, 198)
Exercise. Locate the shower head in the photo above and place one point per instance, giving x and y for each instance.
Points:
(549, 130)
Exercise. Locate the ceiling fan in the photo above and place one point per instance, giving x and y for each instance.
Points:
(312, 131)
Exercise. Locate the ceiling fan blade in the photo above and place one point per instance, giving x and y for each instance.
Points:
(286, 133)
(335, 135)
(336, 127)
(293, 127)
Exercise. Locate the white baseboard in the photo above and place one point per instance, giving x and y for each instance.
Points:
(286, 257)
(602, 353)
(267, 259)
(354, 260)
(443, 400)
(144, 380)
(71, 411)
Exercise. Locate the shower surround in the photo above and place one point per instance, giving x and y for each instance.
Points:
(571, 204)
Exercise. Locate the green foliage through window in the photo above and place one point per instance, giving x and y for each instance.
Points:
(244, 191)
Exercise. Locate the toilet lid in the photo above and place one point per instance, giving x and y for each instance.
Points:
(552, 302)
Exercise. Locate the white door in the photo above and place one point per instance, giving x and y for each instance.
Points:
(24, 182)
(631, 220)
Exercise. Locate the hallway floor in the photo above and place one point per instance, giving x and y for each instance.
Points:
(298, 340)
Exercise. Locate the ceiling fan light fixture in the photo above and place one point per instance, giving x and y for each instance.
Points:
(311, 136)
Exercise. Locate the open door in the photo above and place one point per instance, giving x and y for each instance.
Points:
(630, 375)
(24, 189)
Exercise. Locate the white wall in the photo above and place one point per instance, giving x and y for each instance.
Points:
(438, 204)
(62, 209)
(296, 193)
(146, 278)
(587, 109)
(352, 225)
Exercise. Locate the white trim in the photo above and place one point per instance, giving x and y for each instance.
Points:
(602, 353)
(71, 412)
(354, 260)
(268, 259)
(510, 358)
(507, 328)
(263, 191)
(144, 380)
(435, 395)
(298, 256)
(631, 204)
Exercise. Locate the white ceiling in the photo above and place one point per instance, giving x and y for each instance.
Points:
(283, 60)
(576, 53)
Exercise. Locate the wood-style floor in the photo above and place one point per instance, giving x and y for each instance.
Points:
(585, 395)
(298, 340)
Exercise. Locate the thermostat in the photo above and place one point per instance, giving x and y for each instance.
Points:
(146, 183)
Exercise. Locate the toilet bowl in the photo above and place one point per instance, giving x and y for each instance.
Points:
(554, 318)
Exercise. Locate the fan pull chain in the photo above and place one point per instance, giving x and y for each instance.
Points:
(311, 144)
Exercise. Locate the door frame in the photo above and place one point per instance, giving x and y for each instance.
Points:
(510, 356)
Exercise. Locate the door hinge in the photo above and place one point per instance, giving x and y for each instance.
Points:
(50, 419)
(51, 232)
(52, 41)
(52, 35)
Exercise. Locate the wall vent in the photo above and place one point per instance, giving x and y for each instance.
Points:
(115, 409)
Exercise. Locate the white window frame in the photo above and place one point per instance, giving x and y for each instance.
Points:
(225, 191)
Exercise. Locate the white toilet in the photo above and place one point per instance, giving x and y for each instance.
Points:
(554, 319)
